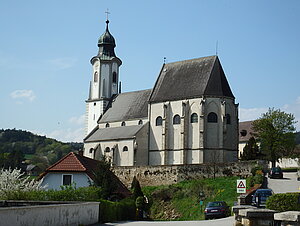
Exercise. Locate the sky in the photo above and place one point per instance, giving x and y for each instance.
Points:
(46, 47)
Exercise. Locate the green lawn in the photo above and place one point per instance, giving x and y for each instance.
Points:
(182, 201)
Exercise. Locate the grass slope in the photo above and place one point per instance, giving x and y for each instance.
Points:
(182, 201)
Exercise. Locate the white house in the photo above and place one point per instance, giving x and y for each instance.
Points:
(188, 117)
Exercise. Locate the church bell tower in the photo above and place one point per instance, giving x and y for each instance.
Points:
(105, 79)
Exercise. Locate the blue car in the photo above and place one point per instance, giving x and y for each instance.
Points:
(260, 197)
(216, 209)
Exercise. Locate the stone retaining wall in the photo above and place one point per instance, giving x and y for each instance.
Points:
(165, 175)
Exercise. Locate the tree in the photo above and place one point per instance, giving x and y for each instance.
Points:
(136, 187)
(275, 132)
(104, 178)
(251, 150)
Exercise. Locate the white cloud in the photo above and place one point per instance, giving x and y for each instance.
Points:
(251, 113)
(67, 135)
(23, 94)
(77, 120)
(62, 63)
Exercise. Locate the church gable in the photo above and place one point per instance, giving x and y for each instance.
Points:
(190, 79)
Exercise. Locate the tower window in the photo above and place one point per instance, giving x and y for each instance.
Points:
(176, 119)
(140, 122)
(125, 148)
(107, 149)
(158, 121)
(194, 118)
(228, 119)
(107, 125)
(212, 117)
(96, 76)
(114, 78)
(94, 104)
(123, 124)
(91, 150)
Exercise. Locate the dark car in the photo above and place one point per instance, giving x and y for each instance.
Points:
(260, 197)
(216, 209)
(276, 172)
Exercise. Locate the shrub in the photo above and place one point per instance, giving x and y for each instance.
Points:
(257, 179)
(284, 202)
(117, 211)
(256, 170)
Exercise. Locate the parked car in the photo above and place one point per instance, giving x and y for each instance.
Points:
(216, 209)
(276, 172)
(260, 197)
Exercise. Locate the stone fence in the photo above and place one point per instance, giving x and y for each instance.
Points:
(170, 174)
(252, 216)
(48, 213)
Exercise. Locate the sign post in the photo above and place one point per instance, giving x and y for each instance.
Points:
(241, 186)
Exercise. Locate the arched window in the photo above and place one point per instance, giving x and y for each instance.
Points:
(96, 76)
(212, 117)
(107, 149)
(228, 119)
(114, 78)
(141, 122)
(125, 148)
(91, 150)
(123, 124)
(176, 119)
(158, 121)
(107, 125)
(194, 118)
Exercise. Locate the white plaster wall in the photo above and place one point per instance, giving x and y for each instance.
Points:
(175, 157)
(212, 130)
(95, 88)
(87, 147)
(51, 215)
(156, 132)
(156, 158)
(54, 180)
(105, 81)
(287, 162)
(93, 113)
(114, 88)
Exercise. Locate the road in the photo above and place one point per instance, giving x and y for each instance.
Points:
(228, 221)
(289, 183)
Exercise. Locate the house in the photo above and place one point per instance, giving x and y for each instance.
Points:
(245, 133)
(78, 170)
(188, 117)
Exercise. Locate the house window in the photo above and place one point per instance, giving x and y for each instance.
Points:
(107, 149)
(96, 76)
(212, 117)
(107, 125)
(123, 124)
(67, 179)
(125, 148)
(114, 77)
(228, 119)
(194, 118)
(176, 119)
(158, 121)
(141, 122)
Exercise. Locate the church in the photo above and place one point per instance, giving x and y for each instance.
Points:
(188, 117)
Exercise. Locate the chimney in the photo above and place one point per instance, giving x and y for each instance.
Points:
(80, 152)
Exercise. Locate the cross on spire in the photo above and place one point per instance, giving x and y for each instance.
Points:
(107, 12)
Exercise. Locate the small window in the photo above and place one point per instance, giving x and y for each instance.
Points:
(125, 148)
(228, 119)
(212, 117)
(158, 121)
(96, 76)
(243, 133)
(67, 180)
(114, 77)
(94, 104)
(194, 118)
(91, 150)
(176, 120)
(107, 125)
(141, 122)
(123, 124)
(107, 149)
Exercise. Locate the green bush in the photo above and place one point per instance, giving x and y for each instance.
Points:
(117, 211)
(257, 179)
(284, 202)
(256, 169)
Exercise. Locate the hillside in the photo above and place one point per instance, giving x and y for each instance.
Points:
(18, 147)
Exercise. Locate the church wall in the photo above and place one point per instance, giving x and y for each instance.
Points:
(114, 88)
(127, 123)
(212, 130)
(104, 76)
(156, 132)
(95, 81)
(94, 109)
(156, 158)
(141, 155)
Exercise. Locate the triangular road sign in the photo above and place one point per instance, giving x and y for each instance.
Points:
(241, 185)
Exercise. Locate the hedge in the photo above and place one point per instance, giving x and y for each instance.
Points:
(284, 202)
(117, 211)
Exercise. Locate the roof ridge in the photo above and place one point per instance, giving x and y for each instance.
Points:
(136, 91)
(78, 160)
(198, 58)
(59, 161)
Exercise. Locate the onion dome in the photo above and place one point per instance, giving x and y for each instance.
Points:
(106, 44)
